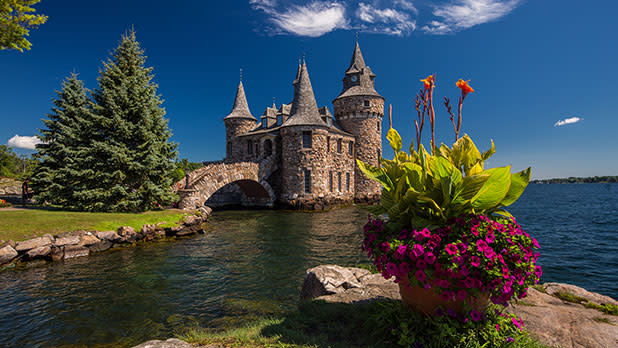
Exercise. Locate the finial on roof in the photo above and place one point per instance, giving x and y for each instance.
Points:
(304, 107)
(357, 37)
(241, 107)
(303, 57)
(240, 74)
(274, 104)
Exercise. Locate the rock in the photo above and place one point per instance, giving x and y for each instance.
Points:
(191, 220)
(57, 253)
(330, 279)
(38, 253)
(34, 243)
(552, 288)
(111, 236)
(170, 343)
(127, 234)
(186, 231)
(88, 239)
(67, 240)
(206, 211)
(9, 242)
(562, 324)
(7, 253)
(100, 246)
(171, 231)
(73, 251)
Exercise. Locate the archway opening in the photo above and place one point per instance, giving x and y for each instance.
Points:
(240, 193)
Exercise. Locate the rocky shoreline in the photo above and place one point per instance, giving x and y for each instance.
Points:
(74, 244)
(555, 322)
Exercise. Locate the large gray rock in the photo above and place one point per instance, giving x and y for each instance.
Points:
(34, 243)
(100, 246)
(88, 239)
(171, 343)
(38, 253)
(7, 253)
(67, 240)
(127, 234)
(554, 322)
(73, 251)
(111, 236)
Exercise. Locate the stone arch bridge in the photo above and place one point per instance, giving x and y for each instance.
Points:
(250, 177)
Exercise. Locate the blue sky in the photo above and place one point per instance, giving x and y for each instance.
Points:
(532, 63)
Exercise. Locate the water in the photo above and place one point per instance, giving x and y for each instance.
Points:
(255, 261)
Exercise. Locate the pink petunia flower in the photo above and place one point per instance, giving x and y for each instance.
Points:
(451, 249)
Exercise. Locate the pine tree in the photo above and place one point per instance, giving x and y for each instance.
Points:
(61, 173)
(135, 157)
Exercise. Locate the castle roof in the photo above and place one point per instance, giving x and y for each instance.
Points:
(304, 110)
(365, 84)
(358, 62)
(241, 108)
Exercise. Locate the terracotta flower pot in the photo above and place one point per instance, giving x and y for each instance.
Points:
(428, 300)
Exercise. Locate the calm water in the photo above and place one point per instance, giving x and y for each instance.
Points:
(255, 260)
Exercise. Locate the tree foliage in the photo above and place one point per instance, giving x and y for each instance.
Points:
(17, 17)
(14, 166)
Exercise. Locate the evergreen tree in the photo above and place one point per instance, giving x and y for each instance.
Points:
(61, 173)
(135, 157)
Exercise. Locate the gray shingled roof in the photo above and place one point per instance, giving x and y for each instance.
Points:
(241, 108)
(365, 86)
(357, 63)
(304, 110)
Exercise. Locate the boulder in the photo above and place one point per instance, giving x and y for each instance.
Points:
(88, 239)
(100, 246)
(73, 251)
(186, 231)
(554, 322)
(7, 253)
(171, 231)
(111, 236)
(57, 253)
(38, 253)
(67, 240)
(34, 243)
(127, 234)
(9, 242)
(191, 220)
(206, 211)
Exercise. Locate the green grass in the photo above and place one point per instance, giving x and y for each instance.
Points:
(318, 324)
(605, 308)
(539, 287)
(568, 297)
(23, 224)
(603, 320)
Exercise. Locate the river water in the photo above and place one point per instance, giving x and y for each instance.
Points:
(254, 262)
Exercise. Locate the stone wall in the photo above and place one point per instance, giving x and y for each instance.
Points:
(320, 161)
(233, 128)
(366, 124)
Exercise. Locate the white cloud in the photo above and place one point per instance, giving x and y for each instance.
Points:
(313, 20)
(386, 21)
(462, 14)
(569, 120)
(24, 142)
(406, 5)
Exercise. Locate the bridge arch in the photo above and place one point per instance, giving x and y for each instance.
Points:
(204, 182)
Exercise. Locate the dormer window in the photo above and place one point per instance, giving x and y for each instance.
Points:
(279, 120)
(264, 123)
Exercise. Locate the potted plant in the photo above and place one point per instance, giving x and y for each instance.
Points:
(441, 228)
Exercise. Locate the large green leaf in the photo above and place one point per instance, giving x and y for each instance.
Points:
(472, 185)
(494, 190)
(465, 154)
(376, 174)
(519, 182)
(394, 139)
(441, 167)
(414, 175)
(485, 156)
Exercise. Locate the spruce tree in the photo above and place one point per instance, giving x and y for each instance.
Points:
(61, 173)
(135, 156)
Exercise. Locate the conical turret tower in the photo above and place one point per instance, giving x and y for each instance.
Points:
(238, 122)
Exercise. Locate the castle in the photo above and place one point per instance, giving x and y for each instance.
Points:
(315, 153)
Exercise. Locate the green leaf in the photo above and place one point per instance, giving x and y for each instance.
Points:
(441, 167)
(494, 190)
(503, 213)
(465, 154)
(485, 156)
(472, 184)
(394, 139)
(376, 174)
(414, 174)
(519, 182)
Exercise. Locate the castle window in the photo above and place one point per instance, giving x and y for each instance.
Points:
(307, 181)
(257, 148)
(307, 139)
(351, 148)
(347, 182)
(264, 123)
(379, 155)
(366, 103)
(279, 120)
(339, 181)
(378, 125)
(330, 180)
(339, 145)
(249, 146)
(328, 144)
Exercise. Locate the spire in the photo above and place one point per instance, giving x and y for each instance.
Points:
(304, 107)
(357, 63)
(241, 108)
(296, 79)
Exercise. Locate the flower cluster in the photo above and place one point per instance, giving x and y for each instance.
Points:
(4, 203)
(469, 256)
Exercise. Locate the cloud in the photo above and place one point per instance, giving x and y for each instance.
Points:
(386, 20)
(24, 142)
(569, 120)
(313, 20)
(457, 15)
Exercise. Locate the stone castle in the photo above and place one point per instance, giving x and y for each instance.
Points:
(301, 155)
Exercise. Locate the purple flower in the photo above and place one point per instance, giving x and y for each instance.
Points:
(475, 261)
(505, 273)
(385, 246)
(510, 339)
(451, 312)
(474, 231)
(481, 245)
(420, 264)
(420, 275)
(538, 271)
(386, 275)
(462, 247)
(418, 250)
(439, 312)
(451, 249)
(391, 268)
(404, 268)
(445, 296)
(498, 327)
(403, 234)
(475, 316)
(462, 294)
(400, 253)
(469, 283)
(429, 258)
(490, 238)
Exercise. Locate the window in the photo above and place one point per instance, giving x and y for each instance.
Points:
(279, 120)
(249, 146)
(257, 148)
(347, 182)
(307, 181)
(307, 139)
(330, 180)
(339, 181)
(268, 147)
(379, 155)
(366, 103)
(328, 144)
(378, 125)
(264, 123)
(339, 145)
(229, 149)
(351, 148)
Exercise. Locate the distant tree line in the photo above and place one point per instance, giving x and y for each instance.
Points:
(108, 149)
(14, 166)
(572, 180)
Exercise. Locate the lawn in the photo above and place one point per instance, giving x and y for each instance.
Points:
(21, 224)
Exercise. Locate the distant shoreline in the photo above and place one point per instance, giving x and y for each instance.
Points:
(576, 180)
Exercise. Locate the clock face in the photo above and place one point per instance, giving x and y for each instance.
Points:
(354, 78)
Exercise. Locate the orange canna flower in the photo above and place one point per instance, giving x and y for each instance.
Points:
(428, 81)
(465, 88)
